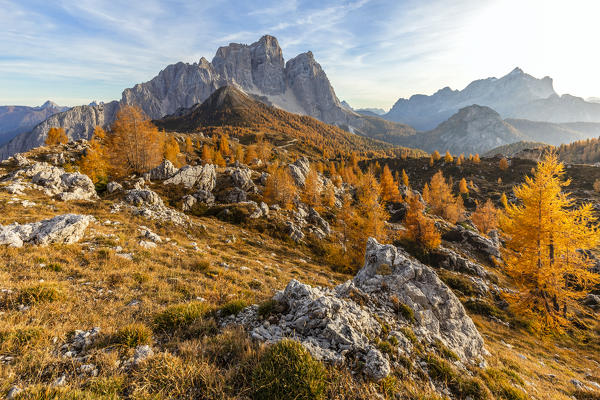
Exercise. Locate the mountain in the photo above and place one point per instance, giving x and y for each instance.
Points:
(18, 119)
(230, 107)
(517, 149)
(515, 95)
(554, 133)
(299, 85)
(371, 111)
(473, 129)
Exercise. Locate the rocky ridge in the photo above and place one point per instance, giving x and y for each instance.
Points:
(392, 293)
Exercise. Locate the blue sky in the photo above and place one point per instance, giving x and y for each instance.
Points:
(374, 51)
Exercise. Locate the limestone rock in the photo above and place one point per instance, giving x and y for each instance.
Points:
(202, 177)
(298, 170)
(141, 197)
(112, 187)
(188, 202)
(475, 240)
(164, 171)
(67, 228)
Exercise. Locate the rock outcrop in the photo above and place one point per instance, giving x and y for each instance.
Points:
(67, 228)
(392, 293)
(54, 181)
(202, 177)
(162, 172)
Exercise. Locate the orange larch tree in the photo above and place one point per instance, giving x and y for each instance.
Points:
(485, 218)
(56, 136)
(389, 187)
(419, 228)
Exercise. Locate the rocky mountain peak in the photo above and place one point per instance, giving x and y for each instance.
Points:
(49, 104)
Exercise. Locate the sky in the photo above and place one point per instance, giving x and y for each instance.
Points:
(373, 51)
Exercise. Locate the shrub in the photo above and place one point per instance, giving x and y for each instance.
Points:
(269, 307)
(233, 307)
(288, 371)
(484, 308)
(458, 283)
(445, 351)
(39, 293)
(133, 335)
(179, 316)
(15, 340)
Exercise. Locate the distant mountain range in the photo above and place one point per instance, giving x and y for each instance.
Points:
(299, 85)
(515, 95)
(486, 114)
(18, 119)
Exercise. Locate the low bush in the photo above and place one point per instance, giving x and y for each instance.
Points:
(180, 316)
(288, 371)
(233, 307)
(132, 335)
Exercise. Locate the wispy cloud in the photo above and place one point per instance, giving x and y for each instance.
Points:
(373, 51)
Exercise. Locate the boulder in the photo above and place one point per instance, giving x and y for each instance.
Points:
(112, 187)
(242, 178)
(344, 324)
(201, 176)
(294, 231)
(234, 195)
(479, 243)
(205, 196)
(299, 169)
(262, 210)
(67, 228)
(187, 202)
(164, 171)
(450, 260)
(141, 197)
(315, 218)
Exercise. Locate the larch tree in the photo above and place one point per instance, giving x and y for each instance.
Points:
(503, 164)
(476, 159)
(224, 145)
(189, 145)
(389, 187)
(436, 155)
(95, 162)
(420, 228)
(329, 195)
(485, 218)
(463, 188)
(171, 150)
(280, 188)
(405, 180)
(311, 195)
(239, 153)
(448, 157)
(208, 155)
(219, 160)
(547, 238)
(370, 207)
(135, 145)
(56, 136)
(251, 154)
(441, 200)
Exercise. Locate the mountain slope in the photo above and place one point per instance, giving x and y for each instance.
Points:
(515, 95)
(18, 119)
(229, 107)
(299, 85)
(554, 133)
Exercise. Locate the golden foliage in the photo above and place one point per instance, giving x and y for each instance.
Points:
(448, 157)
(463, 188)
(311, 195)
(546, 240)
(476, 159)
(251, 154)
(436, 155)
(189, 145)
(56, 136)
(329, 195)
(208, 154)
(280, 188)
(389, 187)
(485, 217)
(405, 180)
(135, 144)
(503, 164)
(171, 150)
(420, 228)
(95, 162)
(219, 160)
(441, 200)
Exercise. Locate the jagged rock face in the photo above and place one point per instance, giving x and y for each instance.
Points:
(162, 172)
(299, 86)
(178, 85)
(67, 228)
(19, 119)
(79, 123)
(298, 170)
(342, 325)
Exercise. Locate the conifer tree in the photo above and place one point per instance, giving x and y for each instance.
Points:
(462, 186)
(172, 150)
(405, 180)
(207, 154)
(56, 136)
(189, 145)
(329, 196)
(389, 187)
(441, 200)
(425, 195)
(419, 228)
(219, 160)
(135, 145)
(476, 159)
(239, 153)
(371, 209)
(251, 154)
(224, 145)
(485, 217)
(280, 188)
(547, 237)
(431, 161)
(311, 195)
(448, 157)
(95, 162)
(436, 155)
(503, 164)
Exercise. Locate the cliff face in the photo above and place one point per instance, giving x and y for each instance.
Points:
(299, 86)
